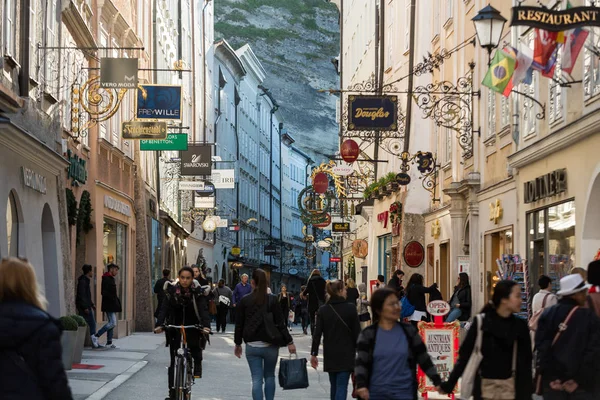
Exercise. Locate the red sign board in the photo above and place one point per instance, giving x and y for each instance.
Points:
(442, 343)
(335, 259)
(325, 223)
(349, 151)
(320, 182)
(414, 254)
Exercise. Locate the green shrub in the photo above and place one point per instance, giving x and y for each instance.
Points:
(80, 320)
(390, 177)
(68, 323)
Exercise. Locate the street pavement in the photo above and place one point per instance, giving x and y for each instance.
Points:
(138, 370)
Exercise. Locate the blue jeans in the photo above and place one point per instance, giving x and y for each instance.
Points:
(455, 314)
(90, 318)
(339, 385)
(112, 322)
(262, 362)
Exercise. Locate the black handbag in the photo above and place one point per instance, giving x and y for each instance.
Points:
(271, 329)
(293, 373)
(364, 317)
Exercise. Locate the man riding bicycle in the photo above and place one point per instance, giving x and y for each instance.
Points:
(182, 306)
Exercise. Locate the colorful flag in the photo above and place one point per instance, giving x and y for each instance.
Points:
(562, 36)
(544, 46)
(548, 70)
(573, 45)
(523, 64)
(500, 72)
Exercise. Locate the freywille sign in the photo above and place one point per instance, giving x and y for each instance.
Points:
(372, 113)
(545, 186)
(118, 73)
(197, 160)
(144, 130)
(555, 20)
(159, 102)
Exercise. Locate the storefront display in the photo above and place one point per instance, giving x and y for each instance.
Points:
(114, 245)
(496, 244)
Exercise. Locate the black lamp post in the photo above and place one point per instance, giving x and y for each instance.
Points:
(489, 24)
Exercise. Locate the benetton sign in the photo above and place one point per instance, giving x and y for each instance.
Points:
(555, 20)
(546, 186)
(372, 113)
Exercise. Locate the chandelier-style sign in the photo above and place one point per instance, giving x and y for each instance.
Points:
(427, 166)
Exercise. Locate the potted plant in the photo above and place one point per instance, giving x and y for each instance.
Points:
(381, 186)
(67, 340)
(81, 334)
(392, 185)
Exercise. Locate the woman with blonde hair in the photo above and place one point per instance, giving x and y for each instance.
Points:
(31, 365)
(352, 294)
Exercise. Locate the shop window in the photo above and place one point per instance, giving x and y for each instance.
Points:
(385, 255)
(115, 252)
(156, 250)
(529, 107)
(497, 244)
(555, 109)
(505, 112)
(551, 242)
(591, 62)
(491, 113)
(12, 226)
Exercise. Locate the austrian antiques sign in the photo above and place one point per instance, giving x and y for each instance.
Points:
(546, 186)
(144, 130)
(372, 113)
(555, 20)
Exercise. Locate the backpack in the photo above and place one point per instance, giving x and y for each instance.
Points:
(533, 322)
(407, 308)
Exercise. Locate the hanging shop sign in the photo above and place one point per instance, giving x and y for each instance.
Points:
(207, 191)
(403, 179)
(191, 185)
(372, 113)
(293, 271)
(222, 223)
(326, 221)
(360, 248)
(159, 102)
(236, 251)
(383, 217)
(118, 73)
(34, 180)
(196, 160)
(173, 141)
(438, 308)
(223, 178)
(237, 265)
(204, 202)
(118, 206)
(270, 250)
(546, 186)
(496, 211)
(555, 20)
(464, 264)
(442, 343)
(320, 182)
(335, 259)
(209, 225)
(144, 130)
(414, 254)
(342, 170)
(341, 227)
(349, 151)
(77, 170)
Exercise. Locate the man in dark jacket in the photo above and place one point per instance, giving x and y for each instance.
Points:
(396, 283)
(83, 301)
(111, 305)
(569, 364)
(315, 291)
(159, 289)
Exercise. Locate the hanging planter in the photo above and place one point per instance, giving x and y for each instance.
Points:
(396, 212)
(84, 216)
(71, 207)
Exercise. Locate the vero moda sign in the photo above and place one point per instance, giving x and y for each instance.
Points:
(159, 102)
(197, 160)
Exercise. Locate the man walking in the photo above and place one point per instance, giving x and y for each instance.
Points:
(222, 296)
(241, 289)
(83, 301)
(111, 305)
(396, 283)
(159, 289)
(568, 343)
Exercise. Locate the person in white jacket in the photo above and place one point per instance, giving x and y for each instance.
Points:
(545, 293)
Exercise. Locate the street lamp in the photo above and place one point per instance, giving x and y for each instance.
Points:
(489, 24)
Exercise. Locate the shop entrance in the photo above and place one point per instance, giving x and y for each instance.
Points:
(590, 243)
(444, 270)
(496, 244)
(430, 275)
(50, 257)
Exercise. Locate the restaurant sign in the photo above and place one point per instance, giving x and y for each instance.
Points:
(372, 113)
(555, 20)
(144, 130)
(547, 185)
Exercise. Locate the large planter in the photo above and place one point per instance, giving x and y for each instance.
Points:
(78, 349)
(68, 341)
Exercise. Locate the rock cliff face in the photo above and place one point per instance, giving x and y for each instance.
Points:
(295, 41)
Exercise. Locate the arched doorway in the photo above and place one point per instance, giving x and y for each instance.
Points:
(590, 239)
(50, 258)
(14, 223)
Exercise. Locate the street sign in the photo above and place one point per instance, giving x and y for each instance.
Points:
(270, 250)
(191, 185)
(372, 113)
(341, 227)
(118, 73)
(159, 102)
(196, 160)
(335, 259)
(174, 141)
(144, 130)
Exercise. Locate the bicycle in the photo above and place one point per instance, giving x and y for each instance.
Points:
(183, 372)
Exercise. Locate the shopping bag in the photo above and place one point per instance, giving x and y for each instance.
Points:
(293, 373)
(291, 316)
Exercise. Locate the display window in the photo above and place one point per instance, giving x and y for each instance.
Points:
(115, 251)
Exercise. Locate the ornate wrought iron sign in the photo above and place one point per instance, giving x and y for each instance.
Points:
(377, 113)
(159, 102)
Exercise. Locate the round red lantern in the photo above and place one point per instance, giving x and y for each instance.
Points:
(320, 182)
(349, 151)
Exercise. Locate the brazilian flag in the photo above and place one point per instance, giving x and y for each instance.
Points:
(501, 70)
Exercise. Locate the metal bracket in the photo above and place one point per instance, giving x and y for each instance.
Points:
(542, 114)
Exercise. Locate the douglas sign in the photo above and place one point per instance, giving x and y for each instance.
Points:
(372, 113)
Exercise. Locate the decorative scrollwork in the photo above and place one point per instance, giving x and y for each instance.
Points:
(327, 168)
(432, 62)
(427, 166)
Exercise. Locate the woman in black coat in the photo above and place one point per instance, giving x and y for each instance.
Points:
(351, 292)
(30, 352)
(315, 292)
(415, 294)
(338, 322)
(460, 302)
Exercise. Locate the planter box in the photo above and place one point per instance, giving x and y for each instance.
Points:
(67, 342)
(78, 348)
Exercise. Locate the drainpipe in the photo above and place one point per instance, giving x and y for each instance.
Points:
(411, 63)
(237, 147)
(155, 79)
(24, 72)
(204, 96)
(280, 199)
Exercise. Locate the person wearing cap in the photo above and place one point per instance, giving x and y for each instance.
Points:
(568, 343)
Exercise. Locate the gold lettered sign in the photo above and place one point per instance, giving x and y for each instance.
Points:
(341, 227)
(144, 130)
(555, 20)
(372, 113)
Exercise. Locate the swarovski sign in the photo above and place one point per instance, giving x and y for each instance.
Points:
(197, 160)
(546, 186)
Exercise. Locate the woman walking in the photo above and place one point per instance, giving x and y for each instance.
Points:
(223, 297)
(338, 322)
(31, 365)
(363, 306)
(315, 292)
(285, 304)
(388, 353)
(261, 353)
(504, 343)
(460, 303)
(351, 291)
(305, 318)
(415, 294)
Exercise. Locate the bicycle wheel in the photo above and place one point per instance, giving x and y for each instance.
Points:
(180, 379)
